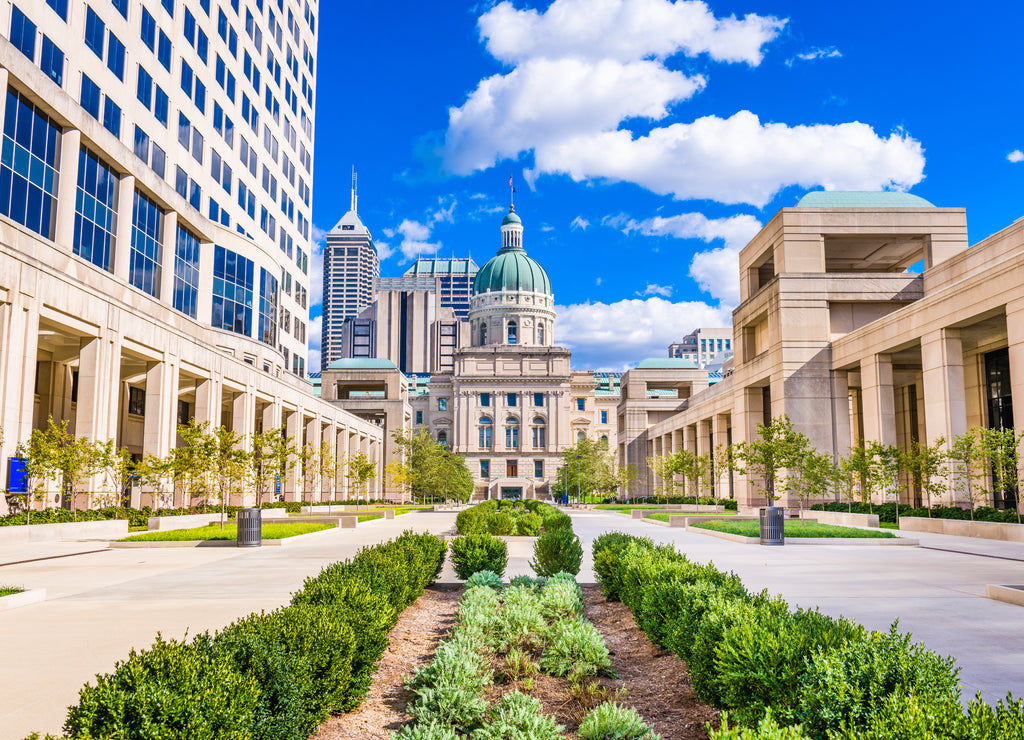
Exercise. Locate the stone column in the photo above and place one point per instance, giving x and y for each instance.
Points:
(18, 353)
(204, 297)
(67, 185)
(208, 402)
(720, 439)
(749, 413)
(1015, 342)
(293, 431)
(841, 418)
(170, 250)
(161, 407)
(879, 403)
(945, 404)
(312, 484)
(98, 388)
(125, 223)
(341, 492)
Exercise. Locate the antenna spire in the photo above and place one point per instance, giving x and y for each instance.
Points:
(355, 188)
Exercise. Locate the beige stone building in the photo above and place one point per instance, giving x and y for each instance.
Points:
(140, 285)
(866, 316)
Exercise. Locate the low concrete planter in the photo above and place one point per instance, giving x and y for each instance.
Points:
(1009, 594)
(182, 521)
(685, 521)
(821, 541)
(19, 534)
(961, 528)
(677, 509)
(286, 542)
(845, 519)
(26, 597)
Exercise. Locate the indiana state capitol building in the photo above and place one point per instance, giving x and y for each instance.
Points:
(512, 404)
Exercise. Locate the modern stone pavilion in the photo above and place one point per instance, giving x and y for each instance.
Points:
(862, 316)
(135, 294)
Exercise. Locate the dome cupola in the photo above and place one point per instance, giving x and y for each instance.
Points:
(511, 269)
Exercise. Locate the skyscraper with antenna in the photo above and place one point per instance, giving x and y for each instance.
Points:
(351, 269)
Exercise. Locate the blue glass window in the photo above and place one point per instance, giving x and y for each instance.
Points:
(186, 272)
(268, 309)
(115, 56)
(148, 30)
(485, 399)
(141, 147)
(122, 7)
(604, 417)
(144, 88)
(486, 431)
(538, 399)
(168, 6)
(147, 227)
(94, 31)
(160, 105)
(28, 166)
(485, 469)
(90, 97)
(158, 160)
(232, 291)
(164, 52)
(23, 34)
(581, 404)
(60, 7)
(51, 61)
(95, 210)
(112, 117)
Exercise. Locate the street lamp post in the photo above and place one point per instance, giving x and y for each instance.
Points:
(578, 497)
(447, 457)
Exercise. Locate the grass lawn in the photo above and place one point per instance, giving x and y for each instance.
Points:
(10, 590)
(271, 531)
(626, 507)
(369, 517)
(888, 525)
(794, 529)
(662, 516)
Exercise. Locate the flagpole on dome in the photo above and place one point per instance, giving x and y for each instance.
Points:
(512, 195)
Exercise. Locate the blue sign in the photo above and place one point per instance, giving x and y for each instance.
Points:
(17, 474)
(277, 485)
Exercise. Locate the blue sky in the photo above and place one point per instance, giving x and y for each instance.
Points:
(650, 139)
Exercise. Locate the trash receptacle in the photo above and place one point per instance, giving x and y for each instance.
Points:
(773, 525)
(250, 527)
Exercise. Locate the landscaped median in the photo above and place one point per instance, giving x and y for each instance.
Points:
(782, 674)
(269, 675)
(799, 532)
(274, 533)
(11, 597)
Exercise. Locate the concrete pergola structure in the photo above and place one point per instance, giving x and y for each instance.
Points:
(836, 331)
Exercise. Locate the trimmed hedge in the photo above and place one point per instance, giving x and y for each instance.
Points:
(509, 518)
(273, 676)
(790, 673)
(730, 504)
(887, 512)
(479, 552)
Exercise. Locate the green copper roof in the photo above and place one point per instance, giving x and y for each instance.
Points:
(857, 199)
(363, 363)
(666, 363)
(511, 218)
(511, 269)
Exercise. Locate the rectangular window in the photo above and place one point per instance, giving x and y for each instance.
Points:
(95, 29)
(538, 468)
(163, 53)
(604, 417)
(146, 254)
(141, 147)
(115, 56)
(538, 399)
(95, 210)
(160, 104)
(232, 292)
(111, 117)
(51, 61)
(581, 404)
(148, 30)
(28, 166)
(60, 7)
(485, 469)
(419, 417)
(485, 399)
(23, 34)
(512, 399)
(90, 97)
(267, 327)
(186, 272)
(512, 468)
(144, 88)
(136, 401)
(122, 7)
(442, 404)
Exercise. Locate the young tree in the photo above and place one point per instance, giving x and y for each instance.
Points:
(55, 453)
(273, 458)
(809, 478)
(155, 472)
(399, 476)
(1001, 452)
(724, 463)
(924, 465)
(884, 471)
(966, 464)
(309, 459)
(665, 472)
(858, 464)
(327, 468)
(230, 467)
(778, 448)
(120, 469)
(844, 479)
(191, 465)
(361, 470)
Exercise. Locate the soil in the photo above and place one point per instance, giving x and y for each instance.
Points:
(653, 681)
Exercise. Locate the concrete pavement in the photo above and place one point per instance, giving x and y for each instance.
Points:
(102, 604)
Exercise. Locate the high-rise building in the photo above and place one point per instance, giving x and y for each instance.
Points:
(155, 210)
(351, 269)
(704, 346)
(451, 278)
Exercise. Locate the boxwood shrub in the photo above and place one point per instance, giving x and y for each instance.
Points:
(785, 673)
(476, 552)
(267, 676)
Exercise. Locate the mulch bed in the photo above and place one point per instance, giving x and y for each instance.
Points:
(652, 680)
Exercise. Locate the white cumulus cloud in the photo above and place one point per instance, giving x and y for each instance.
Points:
(314, 333)
(611, 336)
(665, 291)
(579, 223)
(828, 52)
(588, 76)
(416, 240)
(1015, 156)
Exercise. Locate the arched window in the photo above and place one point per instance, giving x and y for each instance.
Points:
(512, 433)
(442, 438)
(513, 332)
(540, 333)
(604, 438)
(539, 433)
(486, 429)
(580, 436)
(483, 333)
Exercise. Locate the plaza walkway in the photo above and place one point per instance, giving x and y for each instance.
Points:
(101, 604)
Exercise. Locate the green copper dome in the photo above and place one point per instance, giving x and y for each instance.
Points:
(511, 269)
(511, 218)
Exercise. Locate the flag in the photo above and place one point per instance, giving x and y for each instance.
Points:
(510, 183)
